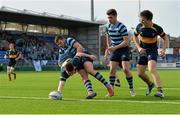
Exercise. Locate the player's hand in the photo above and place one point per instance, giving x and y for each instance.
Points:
(111, 49)
(93, 57)
(106, 54)
(105, 57)
(141, 50)
(163, 53)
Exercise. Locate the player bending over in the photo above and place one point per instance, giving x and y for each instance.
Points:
(84, 61)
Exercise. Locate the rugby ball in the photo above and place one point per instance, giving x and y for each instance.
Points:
(55, 95)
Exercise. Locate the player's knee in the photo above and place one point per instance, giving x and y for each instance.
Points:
(8, 72)
(141, 74)
(152, 70)
(113, 72)
(84, 78)
(126, 71)
(12, 70)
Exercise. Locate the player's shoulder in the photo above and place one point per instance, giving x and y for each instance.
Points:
(139, 26)
(70, 40)
(108, 25)
(121, 25)
(157, 27)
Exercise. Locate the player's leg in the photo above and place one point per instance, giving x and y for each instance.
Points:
(112, 74)
(141, 73)
(152, 66)
(9, 73)
(87, 84)
(129, 78)
(90, 69)
(117, 82)
(141, 68)
(13, 72)
(63, 77)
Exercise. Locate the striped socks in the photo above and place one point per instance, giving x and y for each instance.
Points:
(99, 77)
(112, 80)
(88, 86)
(130, 82)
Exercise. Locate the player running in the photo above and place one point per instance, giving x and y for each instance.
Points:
(118, 41)
(85, 61)
(146, 42)
(13, 55)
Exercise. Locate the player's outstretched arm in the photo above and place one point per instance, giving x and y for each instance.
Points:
(61, 86)
(164, 46)
(19, 56)
(78, 47)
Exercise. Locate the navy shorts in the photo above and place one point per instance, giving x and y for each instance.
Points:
(12, 63)
(83, 60)
(149, 55)
(121, 54)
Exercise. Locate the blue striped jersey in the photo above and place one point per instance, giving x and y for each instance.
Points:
(68, 51)
(116, 32)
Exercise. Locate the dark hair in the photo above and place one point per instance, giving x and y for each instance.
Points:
(57, 38)
(147, 14)
(111, 12)
(69, 66)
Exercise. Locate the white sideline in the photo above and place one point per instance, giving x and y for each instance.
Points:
(96, 100)
(169, 88)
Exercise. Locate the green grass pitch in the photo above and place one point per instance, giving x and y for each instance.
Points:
(29, 95)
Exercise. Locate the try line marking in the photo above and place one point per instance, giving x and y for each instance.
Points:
(96, 100)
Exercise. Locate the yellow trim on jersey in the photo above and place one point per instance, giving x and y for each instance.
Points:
(162, 33)
(147, 39)
(12, 56)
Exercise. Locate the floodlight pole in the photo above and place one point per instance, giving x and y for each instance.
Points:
(92, 10)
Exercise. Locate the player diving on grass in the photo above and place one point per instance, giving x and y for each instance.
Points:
(68, 49)
(84, 60)
(145, 39)
(13, 55)
(118, 49)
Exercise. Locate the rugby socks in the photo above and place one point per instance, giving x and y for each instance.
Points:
(130, 82)
(159, 89)
(112, 80)
(14, 74)
(9, 75)
(88, 86)
(117, 84)
(99, 77)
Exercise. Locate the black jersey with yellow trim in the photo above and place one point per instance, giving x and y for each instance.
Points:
(12, 54)
(148, 36)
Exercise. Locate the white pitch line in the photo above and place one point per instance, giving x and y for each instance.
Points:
(170, 88)
(96, 100)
